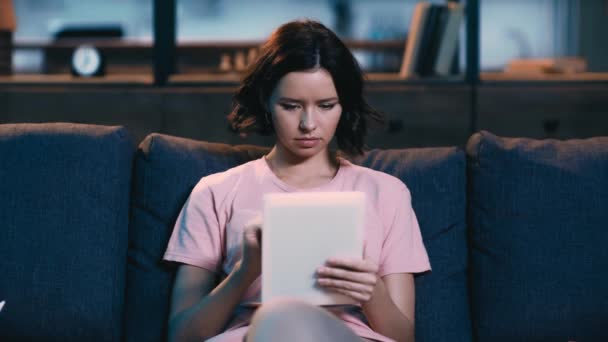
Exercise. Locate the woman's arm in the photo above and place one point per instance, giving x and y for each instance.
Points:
(390, 311)
(198, 310)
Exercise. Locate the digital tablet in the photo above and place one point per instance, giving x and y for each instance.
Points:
(300, 232)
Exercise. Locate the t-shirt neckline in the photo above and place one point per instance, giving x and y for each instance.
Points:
(290, 188)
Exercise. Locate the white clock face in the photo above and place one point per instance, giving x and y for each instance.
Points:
(86, 60)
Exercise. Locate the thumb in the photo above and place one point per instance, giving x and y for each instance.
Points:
(253, 230)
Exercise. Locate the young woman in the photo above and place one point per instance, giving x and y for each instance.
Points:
(305, 88)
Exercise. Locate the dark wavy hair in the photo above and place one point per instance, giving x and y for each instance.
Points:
(299, 46)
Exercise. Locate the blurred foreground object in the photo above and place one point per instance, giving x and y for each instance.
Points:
(8, 23)
(558, 65)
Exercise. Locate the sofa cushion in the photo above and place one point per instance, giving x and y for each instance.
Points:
(167, 168)
(64, 227)
(436, 178)
(538, 211)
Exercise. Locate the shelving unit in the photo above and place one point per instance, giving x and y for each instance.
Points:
(166, 49)
(422, 112)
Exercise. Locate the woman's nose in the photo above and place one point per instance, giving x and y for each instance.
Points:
(307, 122)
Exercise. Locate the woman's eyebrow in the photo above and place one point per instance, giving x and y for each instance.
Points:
(329, 99)
(289, 99)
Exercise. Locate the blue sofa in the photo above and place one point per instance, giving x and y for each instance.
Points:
(516, 230)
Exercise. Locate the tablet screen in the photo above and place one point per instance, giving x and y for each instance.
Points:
(301, 231)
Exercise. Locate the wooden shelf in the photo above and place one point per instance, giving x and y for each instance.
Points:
(191, 57)
(125, 44)
(498, 77)
(70, 44)
(230, 79)
(233, 79)
(373, 79)
(396, 79)
(66, 79)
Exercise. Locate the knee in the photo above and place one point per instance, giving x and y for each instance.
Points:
(276, 320)
(284, 311)
(295, 321)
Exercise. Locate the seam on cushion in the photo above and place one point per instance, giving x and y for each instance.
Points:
(133, 259)
(455, 274)
(136, 251)
(120, 132)
(145, 208)
(139, 203)
(470, 245)
(153, 143)
(124, 138)
(445, 230)
(141, 148)
(480, 148)
(144, 170)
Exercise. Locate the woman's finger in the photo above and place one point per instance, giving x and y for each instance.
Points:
(253, 234)
(338, 273)
(345, 285)
(355, 264)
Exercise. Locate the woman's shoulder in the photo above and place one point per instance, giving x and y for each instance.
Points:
(380, 181)
(227, 180)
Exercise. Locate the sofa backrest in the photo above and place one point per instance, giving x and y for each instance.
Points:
(539, 234)
(167, 168)
(537, 212)
(63, 231)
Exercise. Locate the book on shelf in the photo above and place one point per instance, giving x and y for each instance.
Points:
(557, 65)
(8, 20)
(449, 39)
(414, 38)
(432, 39)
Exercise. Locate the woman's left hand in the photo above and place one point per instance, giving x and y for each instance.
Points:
(352, 277)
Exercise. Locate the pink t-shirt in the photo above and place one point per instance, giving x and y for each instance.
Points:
(208, 231)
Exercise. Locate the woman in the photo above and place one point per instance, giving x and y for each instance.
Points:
(305, 88)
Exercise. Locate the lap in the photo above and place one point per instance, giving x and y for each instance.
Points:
(283, 319)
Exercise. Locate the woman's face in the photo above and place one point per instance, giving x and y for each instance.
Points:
(305, 112)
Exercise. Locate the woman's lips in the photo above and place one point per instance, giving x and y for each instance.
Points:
(307, 142)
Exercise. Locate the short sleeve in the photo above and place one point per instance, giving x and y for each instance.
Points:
(403, 250)
(196, 239)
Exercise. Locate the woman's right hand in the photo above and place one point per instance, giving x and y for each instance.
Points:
(251, 262)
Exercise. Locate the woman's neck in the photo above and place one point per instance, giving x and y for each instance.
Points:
(303, 173)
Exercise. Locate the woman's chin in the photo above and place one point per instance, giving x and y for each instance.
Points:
(305, 153)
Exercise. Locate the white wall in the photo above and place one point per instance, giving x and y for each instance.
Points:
(522, 29)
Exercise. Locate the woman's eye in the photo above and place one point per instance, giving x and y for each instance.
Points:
(327, 106)
(288, 106)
